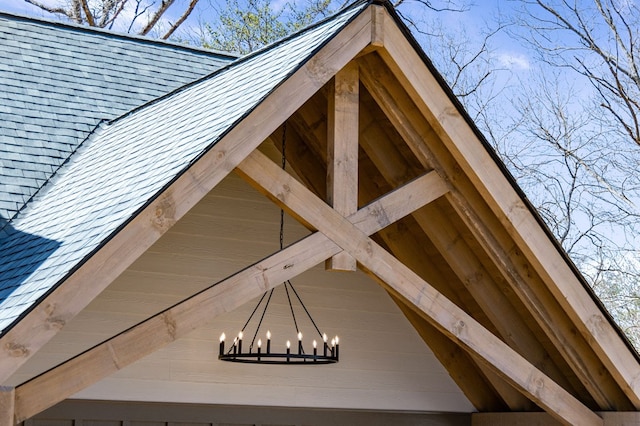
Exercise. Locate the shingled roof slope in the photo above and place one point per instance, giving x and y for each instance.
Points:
(128, 162)
(58, 81)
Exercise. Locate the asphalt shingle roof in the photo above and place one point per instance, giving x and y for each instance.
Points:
(126, 163)
(58, 81)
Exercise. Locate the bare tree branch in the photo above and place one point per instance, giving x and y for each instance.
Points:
(180, 20)
(46, 8)
(164, 5)
(87, 13)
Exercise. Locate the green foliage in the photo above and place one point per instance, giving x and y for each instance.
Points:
(243, 27)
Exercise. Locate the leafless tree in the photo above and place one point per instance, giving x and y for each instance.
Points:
(144, 15)
(597, 39)
(582, 185)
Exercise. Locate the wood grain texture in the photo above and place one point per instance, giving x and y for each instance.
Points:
(169, 325)
(495, 242)
(35, 329)
(7, 405)
(342, 152)
(509, 208)
(445, 315)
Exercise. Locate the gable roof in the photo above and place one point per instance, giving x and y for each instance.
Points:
(491, 288)
(127, 162)
(59, 81)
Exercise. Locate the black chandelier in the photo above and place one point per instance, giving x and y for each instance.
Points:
(255, 352)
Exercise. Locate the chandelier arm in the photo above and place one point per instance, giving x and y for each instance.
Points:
(254, 311)
(328, 355)
(305, 308)
(295, 323)
(264, 311)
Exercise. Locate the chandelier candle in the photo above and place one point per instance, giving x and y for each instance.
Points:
(222, 337)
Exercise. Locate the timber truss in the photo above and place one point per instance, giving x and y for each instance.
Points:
(393, 180)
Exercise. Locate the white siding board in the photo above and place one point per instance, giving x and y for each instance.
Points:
(384, 363)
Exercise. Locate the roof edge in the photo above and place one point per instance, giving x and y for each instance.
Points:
(510, 178)
(124, 224)
(239, 60)
(70, 26)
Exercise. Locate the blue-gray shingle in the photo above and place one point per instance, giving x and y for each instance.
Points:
(126, 163)
(58, 81)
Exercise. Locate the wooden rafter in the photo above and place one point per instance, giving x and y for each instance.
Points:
(385, 152)
(414, 128)
(61, 305)
(150, 335)
(432, 305)
(402, 242)
(507, 206)
(399, 239)
(460, 256)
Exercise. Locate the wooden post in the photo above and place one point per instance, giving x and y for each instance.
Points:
(342, 153)
(7, 406)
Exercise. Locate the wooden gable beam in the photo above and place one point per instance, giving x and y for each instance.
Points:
(429, 303)
(44, 321)
(509, 209)
(342, 152)
(460, 365)
(415, 130)
(165, 327)
(401, 241)
(459, 256)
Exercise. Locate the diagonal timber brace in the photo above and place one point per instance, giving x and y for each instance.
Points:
(426, 300)
(108, 357)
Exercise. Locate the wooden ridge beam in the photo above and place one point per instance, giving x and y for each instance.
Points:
(165, 327)
(540, 303)
(433, 306)
(342, 152)
(506, 204)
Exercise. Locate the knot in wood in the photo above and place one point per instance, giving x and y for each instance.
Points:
(170, 324)
(164, 215)
(16, 350)
(597, 324)
(537, 384)
(55, 323)
(318, 71)
(458, 327)
(282, 195)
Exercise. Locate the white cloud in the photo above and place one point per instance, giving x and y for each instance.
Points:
(514, 61)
